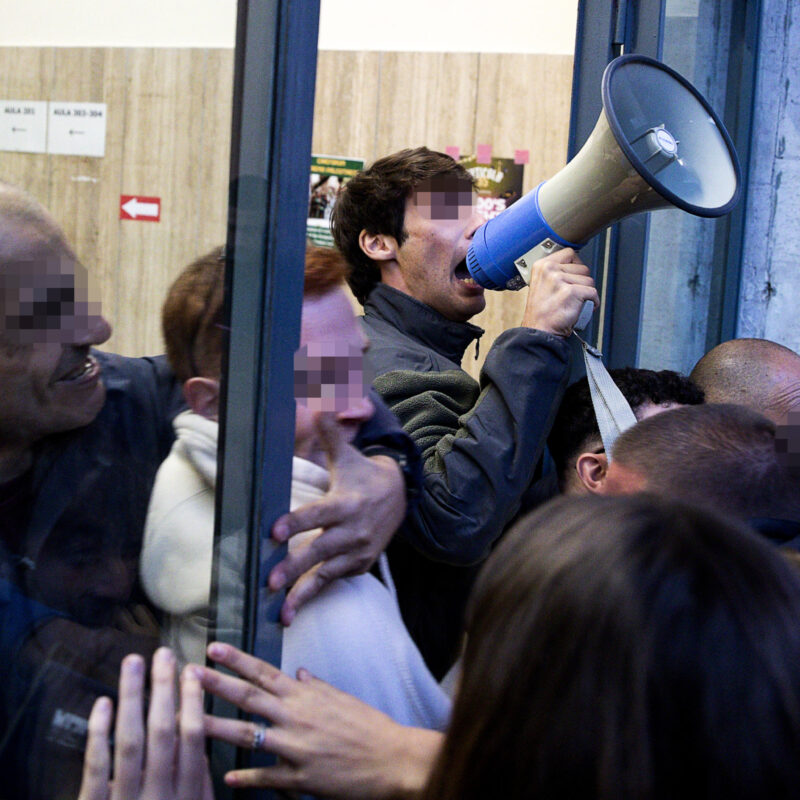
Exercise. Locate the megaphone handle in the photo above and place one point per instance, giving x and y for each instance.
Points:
(524, 264)
(585, 317)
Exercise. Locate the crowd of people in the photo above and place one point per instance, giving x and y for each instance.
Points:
(457, 624)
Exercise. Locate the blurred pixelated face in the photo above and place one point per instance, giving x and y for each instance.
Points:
(787, 442)
(85, 575)
(330, 371)
(48, 323)
(441, 219)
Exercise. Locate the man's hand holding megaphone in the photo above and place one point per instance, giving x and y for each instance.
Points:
(560, 284)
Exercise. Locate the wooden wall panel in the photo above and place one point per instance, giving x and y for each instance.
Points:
(169, 135)
(25, 74)
(214, 152)
(426, 99)
(438, 99)
(162, 151)
(346, 104)
(522, 103)
(83, 192)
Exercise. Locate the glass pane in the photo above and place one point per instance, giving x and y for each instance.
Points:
(497, 98)
(119, 130)
(679, 263)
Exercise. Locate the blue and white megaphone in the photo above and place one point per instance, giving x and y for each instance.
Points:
(657, 144)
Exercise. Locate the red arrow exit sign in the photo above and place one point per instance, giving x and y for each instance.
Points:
(141, 209)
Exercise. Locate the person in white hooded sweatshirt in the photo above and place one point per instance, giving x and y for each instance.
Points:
(351, 634)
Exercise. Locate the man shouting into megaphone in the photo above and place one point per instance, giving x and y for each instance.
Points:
(405, 225)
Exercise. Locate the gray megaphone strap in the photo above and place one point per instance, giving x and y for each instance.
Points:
(613, 412)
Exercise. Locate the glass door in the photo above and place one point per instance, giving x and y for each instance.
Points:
(669, 281)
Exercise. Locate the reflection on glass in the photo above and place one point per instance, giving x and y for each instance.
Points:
(85, 411)
(680, 251)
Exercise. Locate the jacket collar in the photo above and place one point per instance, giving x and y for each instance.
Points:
(420, 321)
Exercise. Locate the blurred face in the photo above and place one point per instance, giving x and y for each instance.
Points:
(50, 381)
(441, 219)
(330, 372)
(87, 576)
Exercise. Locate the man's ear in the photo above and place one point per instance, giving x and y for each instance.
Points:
(202, 395)
(592, 469)
(378, 246)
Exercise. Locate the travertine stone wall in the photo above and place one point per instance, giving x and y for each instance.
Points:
(167, 136)
(169, 131)
(371, 104)
(771, 271)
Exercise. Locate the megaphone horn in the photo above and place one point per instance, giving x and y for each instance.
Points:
(657, 144)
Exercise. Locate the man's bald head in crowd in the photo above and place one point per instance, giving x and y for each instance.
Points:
(44, 289)
(25, 222)
(720, 455)
(757, 373)
(49, 322)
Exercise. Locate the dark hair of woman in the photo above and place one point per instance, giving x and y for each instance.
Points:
(623, 648)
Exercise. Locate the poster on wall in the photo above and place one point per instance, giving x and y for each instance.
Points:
(328, 175)
(498, 183)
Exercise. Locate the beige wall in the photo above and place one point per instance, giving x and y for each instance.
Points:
(371, 104)
(168, 136)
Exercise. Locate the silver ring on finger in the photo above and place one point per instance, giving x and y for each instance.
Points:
(259, 734)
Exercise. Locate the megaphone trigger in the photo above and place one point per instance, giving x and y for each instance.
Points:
(525, 263)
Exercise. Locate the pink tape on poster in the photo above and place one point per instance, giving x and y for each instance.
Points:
(453, 151)
(484, 154)
(522, 156)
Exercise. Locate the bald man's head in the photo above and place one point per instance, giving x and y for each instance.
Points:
(25, 224)
(49, 321)
(757, 373)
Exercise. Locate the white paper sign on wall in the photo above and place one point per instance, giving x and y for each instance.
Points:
(23, 126)
(77, 129)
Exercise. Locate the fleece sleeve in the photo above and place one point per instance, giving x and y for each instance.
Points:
(479, 442)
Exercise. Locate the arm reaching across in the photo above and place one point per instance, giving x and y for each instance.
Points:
(159, 763)
(364, 506)
(329, 742)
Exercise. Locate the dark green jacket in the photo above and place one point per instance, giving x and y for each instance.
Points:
(480, 444)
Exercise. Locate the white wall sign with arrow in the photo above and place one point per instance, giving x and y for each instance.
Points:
(77, 129)
(23, 126)
(142, 209)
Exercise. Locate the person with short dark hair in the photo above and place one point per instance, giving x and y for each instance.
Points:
(375, 202)
(405, 224)
(574, 441)
(725, 456)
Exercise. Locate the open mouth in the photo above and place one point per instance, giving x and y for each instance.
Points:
(81, 372)
(462, 273)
